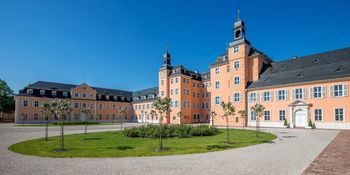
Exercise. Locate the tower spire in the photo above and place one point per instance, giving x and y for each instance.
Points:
(238, 15)
(166, 57)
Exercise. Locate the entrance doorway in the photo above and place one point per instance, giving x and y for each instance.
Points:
(300, 118)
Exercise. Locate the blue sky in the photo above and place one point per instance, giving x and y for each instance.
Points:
(119, 44)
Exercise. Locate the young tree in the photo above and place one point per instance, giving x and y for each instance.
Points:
(212, 115)
(7, 102)
(259, 112)
(122, 114)
(61, 108)
(229, 110)
(46, 112)
(179, 114)
(85, 112)
(162, 105)
(243, 115)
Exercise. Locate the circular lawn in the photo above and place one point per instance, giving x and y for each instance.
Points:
(115, 144)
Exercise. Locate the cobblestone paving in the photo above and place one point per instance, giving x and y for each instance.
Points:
(334, 159)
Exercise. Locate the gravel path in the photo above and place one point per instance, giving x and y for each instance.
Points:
(291, 153)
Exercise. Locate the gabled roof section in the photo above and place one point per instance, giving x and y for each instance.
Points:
(322, 66)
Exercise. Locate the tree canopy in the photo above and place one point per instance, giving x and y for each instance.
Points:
(7, 102)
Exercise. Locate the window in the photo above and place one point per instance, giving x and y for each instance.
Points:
(25, 103)
(282, 94)
(237, 97)
(171, 91)
(317, 92)
(217, 100)
(267, 116)
(176, 103)
(282, 115)
(29, 91)
(299, 93)
(65, 94)
(77, 95)
(162, 93)
(227, 68)
(76, 105)
(339, 114)
(235, 49)
(162, 82)
(84, 105)
(339, 90)
(252, 97)
(267, 96)
(318, 115)
(176, 80)
(217, 71)
(176, 91)
(42, 92)
(252, 115)
(54, 93)
(236, 64)
(171, 81)
(36, 104)
(99, 96)
(84, 95)
(36, 116)
(236, 80)
(217, 85)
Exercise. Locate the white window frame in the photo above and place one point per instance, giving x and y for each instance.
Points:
(335, 115)
(344, 90)
(236, 65)
(217, 100)
(269, 112)
(236, 80)
(282, 97)
(217, 85)
(279, 114)
(252, 97)
(217, 70)
(237, 97)
(42, 92)
(235, 49)
(266, 98)
(252, 115)
(316, 116)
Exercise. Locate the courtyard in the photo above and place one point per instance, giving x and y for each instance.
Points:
(291, 153)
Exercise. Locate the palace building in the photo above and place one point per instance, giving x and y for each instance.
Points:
(299, 89)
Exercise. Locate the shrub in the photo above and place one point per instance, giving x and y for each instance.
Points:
(75, 123)
(152, 131)
(310, 123)
(285, 122)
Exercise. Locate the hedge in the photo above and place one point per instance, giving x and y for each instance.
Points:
(152, 131)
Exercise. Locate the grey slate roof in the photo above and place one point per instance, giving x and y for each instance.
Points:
(322, 66)
(62, 87)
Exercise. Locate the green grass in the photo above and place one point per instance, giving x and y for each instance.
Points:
(53, 124)
(114, 144)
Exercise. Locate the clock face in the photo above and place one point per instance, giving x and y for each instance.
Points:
(162, 74)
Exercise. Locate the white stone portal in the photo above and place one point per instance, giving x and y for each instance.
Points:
(299, 114)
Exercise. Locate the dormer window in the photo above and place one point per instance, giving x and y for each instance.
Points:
(267, 79)
(54, 93)
(65, 94)
(115, 97)
(316, 60)
(107, 97)
(300, 75)
(339, 69)
(42, 92)
(29, 91)
(76, 95)
(283, 66)
(99, 96)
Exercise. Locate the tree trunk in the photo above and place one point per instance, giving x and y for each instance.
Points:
(121, 123)
(227, 131)
(86, 123)
(62, 134)
(46, 128)
(1, 113)
(160, 137)
(256, 126)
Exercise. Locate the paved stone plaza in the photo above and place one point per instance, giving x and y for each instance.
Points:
(291, 153)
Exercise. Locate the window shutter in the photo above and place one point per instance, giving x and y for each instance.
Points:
(271, 95)
(257, 97)
(262, 96)
(293, 94)
(240, 96)
(249, 98)
(332, 91)
(305, 93)
(276, 95)
(324, 91)
(346, 91)
(287, 94)
(312, 92)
